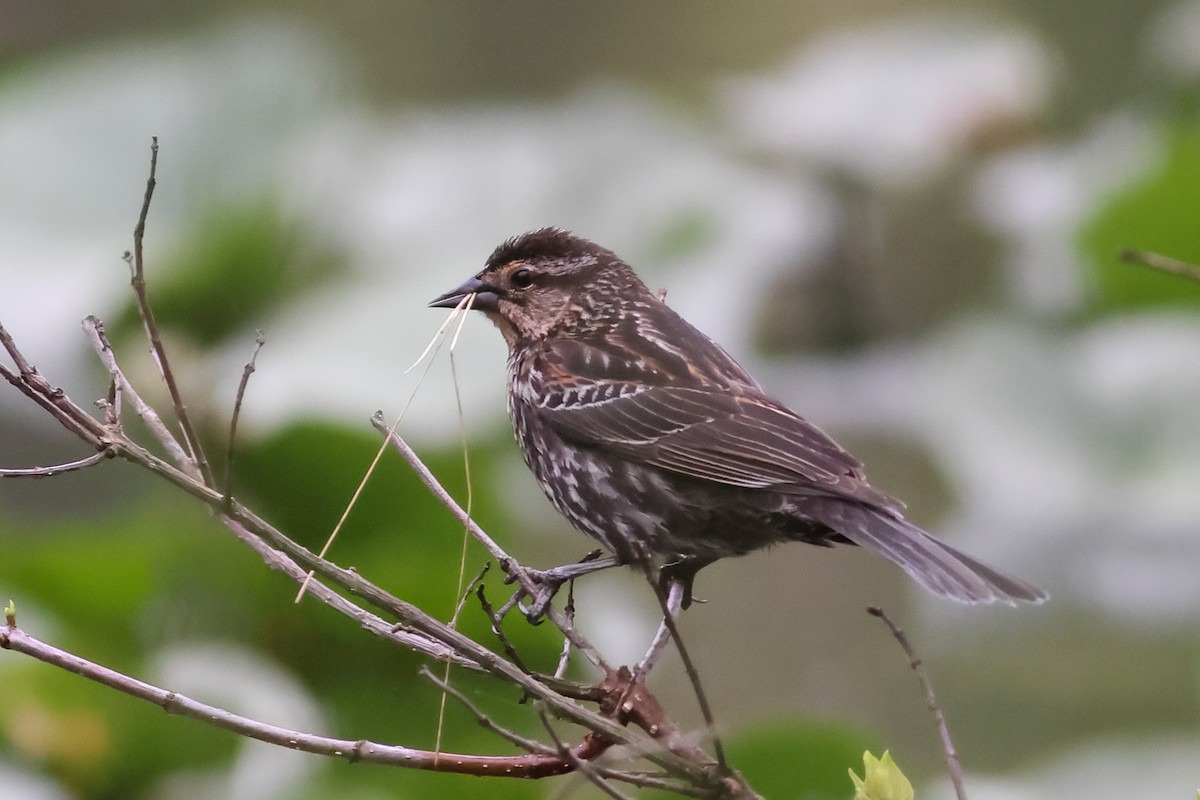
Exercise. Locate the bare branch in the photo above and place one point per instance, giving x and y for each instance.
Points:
(95, 331)
(588, 750)
(675, 594)
(534, 765)
(247, 371)
(58, 469)
(955, 768)
(496, 621)
(138, 281)
(52, 399)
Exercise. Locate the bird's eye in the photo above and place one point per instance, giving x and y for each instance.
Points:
(522, 278)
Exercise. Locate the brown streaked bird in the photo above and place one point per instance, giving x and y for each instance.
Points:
(652, 440)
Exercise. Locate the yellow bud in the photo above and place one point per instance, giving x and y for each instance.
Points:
(882, 780)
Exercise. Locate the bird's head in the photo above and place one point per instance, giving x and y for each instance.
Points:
(545, 281)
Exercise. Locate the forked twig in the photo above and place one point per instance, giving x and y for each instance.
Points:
(95, 331)
(952, 764)
(509, 650)
(29, 382)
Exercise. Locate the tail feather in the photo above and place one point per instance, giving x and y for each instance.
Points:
(937, 566)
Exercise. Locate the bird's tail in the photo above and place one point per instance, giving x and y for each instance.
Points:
(937, 566)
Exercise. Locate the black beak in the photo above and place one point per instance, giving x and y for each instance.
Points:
(486, 297)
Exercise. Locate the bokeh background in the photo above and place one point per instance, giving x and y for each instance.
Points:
(903, 217)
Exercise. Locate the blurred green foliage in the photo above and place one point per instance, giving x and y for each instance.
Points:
(1157, 212)
(796, 759)
(241, 262)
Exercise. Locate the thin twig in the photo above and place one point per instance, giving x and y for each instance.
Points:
(582, 767)
(247, 371)
(52, 399)
(95, 331)
(57, 469)
(564, 658)
(692, 673)
(507, 563)
(952, 764)
(137, 280)
(1162, 263)
(486, 722)
(509, 650)
(110, 404)
(675, 594)
(588, 750)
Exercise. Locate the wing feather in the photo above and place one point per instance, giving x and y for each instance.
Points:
(730, 434)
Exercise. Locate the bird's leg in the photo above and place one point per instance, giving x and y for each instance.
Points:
(675, 595)
(551, 580)
(682, 571)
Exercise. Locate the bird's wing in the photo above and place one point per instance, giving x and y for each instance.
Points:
(731, 434)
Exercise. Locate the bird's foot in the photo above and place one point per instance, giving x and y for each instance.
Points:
(549, 581)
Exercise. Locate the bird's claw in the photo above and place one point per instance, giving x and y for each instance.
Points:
(548, 582)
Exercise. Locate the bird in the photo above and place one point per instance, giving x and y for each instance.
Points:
(652, 440)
